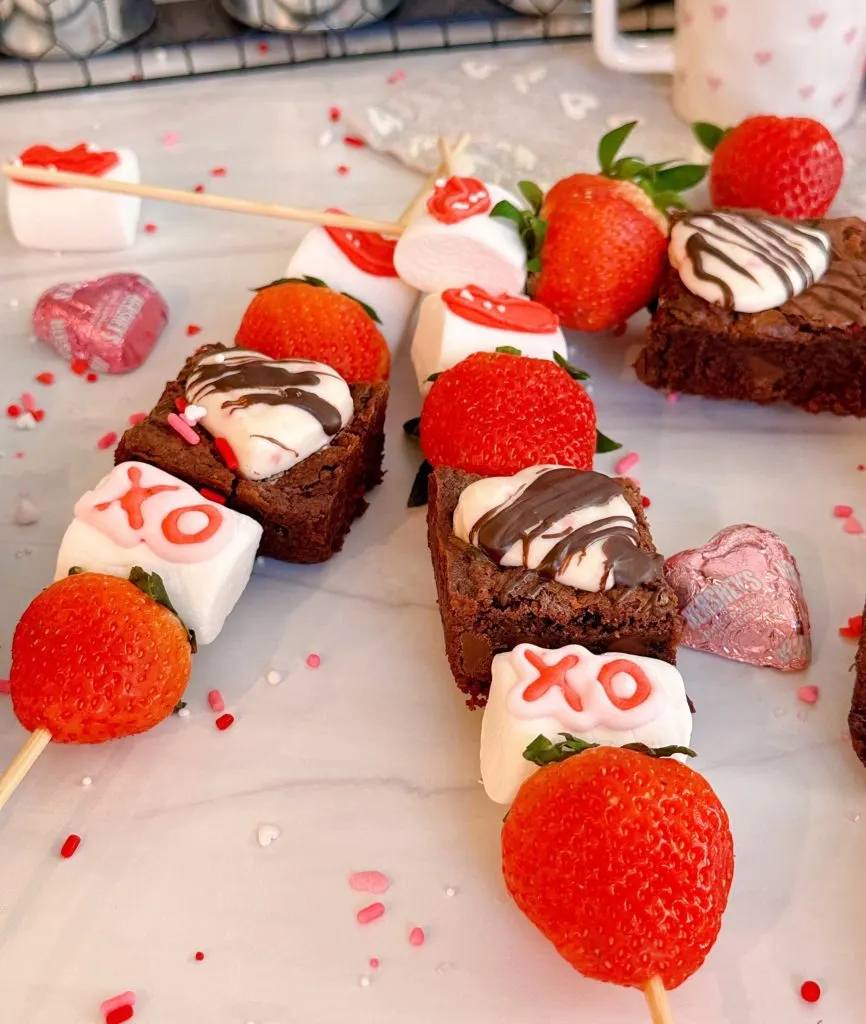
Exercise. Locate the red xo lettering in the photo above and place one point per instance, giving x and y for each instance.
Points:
(550, 676)
(643, 689)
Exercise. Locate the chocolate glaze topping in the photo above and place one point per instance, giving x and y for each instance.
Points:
(266, 383)
(552, 496)
(767, 239)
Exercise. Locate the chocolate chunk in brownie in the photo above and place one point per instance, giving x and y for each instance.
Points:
(305, 512)
(487, 609)
(857, 715)
(809, 352)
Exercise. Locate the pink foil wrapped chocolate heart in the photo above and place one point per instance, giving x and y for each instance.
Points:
(741, 597)
(112, 323)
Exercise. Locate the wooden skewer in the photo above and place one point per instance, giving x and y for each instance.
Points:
(420, 196)
(63, 179)
(446, 155)
(657, 1001)
(23, 761)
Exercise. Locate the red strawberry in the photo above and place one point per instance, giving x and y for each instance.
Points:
(304, 318)
(495, 414)
(785, 166)
(96, 657)
(597, 242)
(622, 860)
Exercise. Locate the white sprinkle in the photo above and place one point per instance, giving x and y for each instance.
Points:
(460, 205)
(326, 138)
(13, 303)
(274, 677)
(365, 981)
(487, 305)
(450, 891)
(183, 713)
(26, 513)
(587, 387)
(25, 421)
(440, 182)
(86, 780)
(852, 817)
(193, 413)
(161, 55)
(267, 834)
(467, 295)
(500, 309)
(220, 357)
(356, 242)
(260, 561)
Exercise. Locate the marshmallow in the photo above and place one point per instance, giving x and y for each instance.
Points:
(612, 699)
(139, 515)
(74, 219)
(455, 241)
(360, 264)
(273, 413)
(455, 323)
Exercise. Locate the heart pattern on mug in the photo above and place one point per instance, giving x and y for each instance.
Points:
(817, 20)
(806, 91)
(478, 71)
(719, 11)
(577, 105)
(850, 35)
(763, 57)
(839, 99)
(687, 18)
(714, 82)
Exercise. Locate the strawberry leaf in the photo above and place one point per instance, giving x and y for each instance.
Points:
(709, 135)
(434, 377)
(508, 211)
(612, 143)
(533, 265)
(626, 168)
(531, 228)
(371, 313)
(181, 704)
(412, 428)
(571, 370)
(605, 444)
(681, 177)
(76, 570)
(150, 583)
(418, 494)
(532, 194)
(509, 350)
(542, 752)
(316, 282)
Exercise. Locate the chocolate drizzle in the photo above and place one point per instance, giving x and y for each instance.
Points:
(554, 494)
(777, 244)
(265, 382)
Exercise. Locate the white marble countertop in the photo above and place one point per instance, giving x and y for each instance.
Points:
(371, 761)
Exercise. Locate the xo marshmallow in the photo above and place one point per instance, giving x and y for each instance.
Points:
(139, 515)
(612, 699)
(455, 241)
(75, 219)
(455, 323)
(360, 264)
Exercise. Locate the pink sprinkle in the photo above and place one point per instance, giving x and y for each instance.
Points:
(334, 114)
(369, 881)
(313, 660)
(45, 378)
(263, 47)
(807, 694)
(137, 417)
(627, 462)
(842, 511)
(371, 913)
(124, 999)
(183, 428)
(355, 141)
(398, 76)
(170, 139)
(672, 397)
(215, 699)
(107, 440)
(4, 686)
(374, 963)
(417, 937)
(342, 170)
(218, 172)
(28, 401)
(20, 455)
(150, 228)
(198, 189)
(853, 525)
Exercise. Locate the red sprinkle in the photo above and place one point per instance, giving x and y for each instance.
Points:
(227, 452)
(206, 492)
(115, 1002)
(13, 411)
(852, 525)
(370, 913)
(224, 721)
(119, 1014)
(398, 76)
(355, 141)
(861, 468)
(810, 991)
(136, 417)
(79, 366)
(180, 404)
(313, 660)
(198, 189)
(842, 511)
(215, 699)
(192, 330)
(5, 686)
(150, 228)
(853, 629)
(808, 694)
(28, 401)
(45, 378)
(107, 440)
(218, 172)
(374, 963)
(70, 845)
(417, 937)
(199, 955)
(91, 378)
(342, 169)
(334, 114)
(38, 415)
(644, 500)
(263, 47)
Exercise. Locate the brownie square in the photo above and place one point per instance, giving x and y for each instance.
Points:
(857, 715)
(810, 352)
(487, 609)
(305, 512)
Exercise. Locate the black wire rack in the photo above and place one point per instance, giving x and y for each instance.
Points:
(185, 38)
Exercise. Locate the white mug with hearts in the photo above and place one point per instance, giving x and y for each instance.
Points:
(734, 58)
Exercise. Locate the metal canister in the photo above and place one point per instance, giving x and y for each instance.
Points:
(71, 29)
(308, 15)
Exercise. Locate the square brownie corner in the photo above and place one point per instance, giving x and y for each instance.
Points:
(305, 512)
(487, 609)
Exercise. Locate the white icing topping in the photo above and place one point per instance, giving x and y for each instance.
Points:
(746, 262)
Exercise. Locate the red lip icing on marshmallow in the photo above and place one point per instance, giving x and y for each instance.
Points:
(458, 199)
(369, 252)
(504, 312)
(77, 160)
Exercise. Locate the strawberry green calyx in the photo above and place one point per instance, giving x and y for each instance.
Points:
(150, 583)
(542, 752)
(709, 135)
(661, 182)
(317, 282)
(605, 444)
(530, 226)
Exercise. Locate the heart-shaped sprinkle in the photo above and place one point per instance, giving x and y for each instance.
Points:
(817, 20)
(741, 597)
(763, 57)
(267, 834)
(806, 91)
(109, 325)
(719, 11)
(850, 35)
